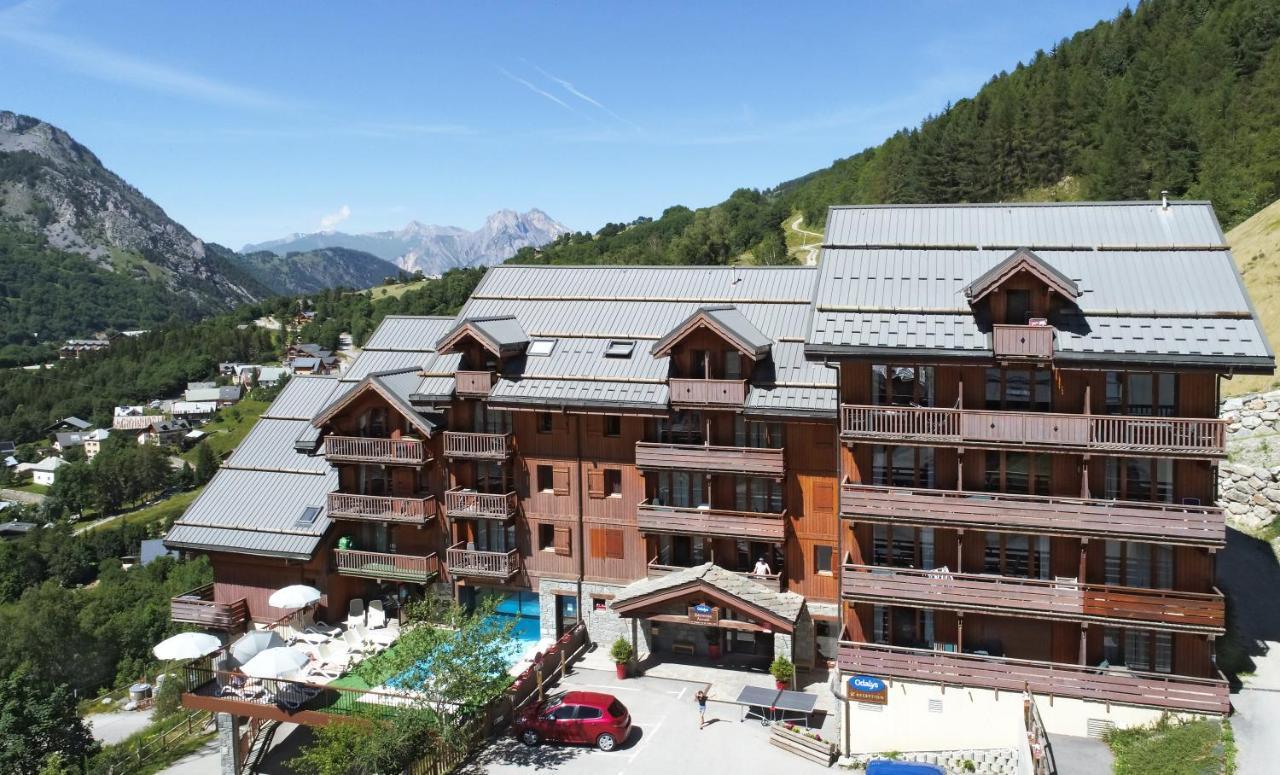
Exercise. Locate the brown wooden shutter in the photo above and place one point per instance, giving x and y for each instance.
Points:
(562, 540)
(823, 496)
(613, 544)
(595, 483)
(595, 425)
(560, 480)
(597, 543)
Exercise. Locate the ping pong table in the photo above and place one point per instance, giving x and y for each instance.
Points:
(774, 705)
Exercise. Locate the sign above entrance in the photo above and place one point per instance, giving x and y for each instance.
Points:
(704, 614)
(868, 689)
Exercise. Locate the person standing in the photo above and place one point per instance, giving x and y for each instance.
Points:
(701, 699)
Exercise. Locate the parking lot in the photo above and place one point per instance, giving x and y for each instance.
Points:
(665, 737)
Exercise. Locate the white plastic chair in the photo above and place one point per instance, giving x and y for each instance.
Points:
(355, 612)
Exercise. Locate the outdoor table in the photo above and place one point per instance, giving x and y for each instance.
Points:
(776, 705)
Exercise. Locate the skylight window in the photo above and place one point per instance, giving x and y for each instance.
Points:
(619, 348)
(309, 516)
(541, 347)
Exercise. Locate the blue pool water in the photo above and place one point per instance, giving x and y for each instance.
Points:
(522, 607)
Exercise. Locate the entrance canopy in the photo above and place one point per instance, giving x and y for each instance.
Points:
(700, 594)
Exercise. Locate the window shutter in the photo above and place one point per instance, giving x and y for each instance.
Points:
(823, 497)
(595, 483)
(560, 480)
(562, 544)
(613, 544)
(597, 543)
(595, 425)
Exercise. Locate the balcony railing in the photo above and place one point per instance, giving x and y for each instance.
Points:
(469, 504)
(703, 457)
(708, 392)
(474, 383)
(382, 508)
(462, 561)
(757, 526)
(772, 581)
(1113, 434)
(1164, 523)
(353, 449)
(1121, 687)
(1060, 600)
(1022, 342)
(387, 566)
(198, 607)
(480, 446)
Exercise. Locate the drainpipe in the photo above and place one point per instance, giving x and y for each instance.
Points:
(582, 486)
(844, 721)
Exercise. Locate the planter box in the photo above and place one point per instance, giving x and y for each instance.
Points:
(820, 751)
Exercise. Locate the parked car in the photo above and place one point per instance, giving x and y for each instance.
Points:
(576, 717)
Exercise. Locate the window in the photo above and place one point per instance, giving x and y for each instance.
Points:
(758, 494)
(1018, 472)
(1019, 389)
(756, 434)
(1139, 479)
(586, 713)
(822, 559)
(612, 482)
(612, 425)
(698, 364)
(1141, 394)
(680, 489)
(680, 428)
(1134, 564)
(1138, 650)
(902, 385)
(309, 516)
(545, 421)
(1017, 555)
(732, 364)
(619, 348)
(599, 604)
(607, 543)
(902, 466)
(541, 347)
(1017, 306)
(546, 537)
(899, 546)
(564, 712)
(545, 480)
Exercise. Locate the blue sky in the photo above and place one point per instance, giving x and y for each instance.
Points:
(247, 121)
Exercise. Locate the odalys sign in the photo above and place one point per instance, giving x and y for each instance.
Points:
(867, 688)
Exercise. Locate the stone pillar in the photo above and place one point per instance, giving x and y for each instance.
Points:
(229, 743)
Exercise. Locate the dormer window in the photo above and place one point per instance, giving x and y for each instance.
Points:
(619, 348)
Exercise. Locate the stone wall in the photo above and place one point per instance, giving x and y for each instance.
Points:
(603, 625)
(1249, 482)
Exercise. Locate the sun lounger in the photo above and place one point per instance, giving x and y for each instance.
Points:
(355, 612)
(376, 616)
(292, 634)
(387, 635)
(372, 645)
(310, 624)
(293, 696)
(355, 644)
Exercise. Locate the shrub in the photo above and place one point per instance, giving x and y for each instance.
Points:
(782, 669)
(621, 651)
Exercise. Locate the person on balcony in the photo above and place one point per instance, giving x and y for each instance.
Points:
(762, 568)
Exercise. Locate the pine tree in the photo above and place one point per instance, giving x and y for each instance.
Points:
(206, 463)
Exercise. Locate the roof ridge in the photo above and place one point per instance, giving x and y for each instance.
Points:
(975, 205)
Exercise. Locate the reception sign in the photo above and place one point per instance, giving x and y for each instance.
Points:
(704, 614)
(868, 689)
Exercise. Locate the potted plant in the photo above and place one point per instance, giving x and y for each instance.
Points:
(621, 652)
(713, 642)
(783, 671)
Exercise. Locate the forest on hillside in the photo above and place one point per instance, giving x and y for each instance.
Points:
(1177, 95)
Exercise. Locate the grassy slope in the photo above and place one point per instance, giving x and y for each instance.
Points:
(1256, 247)
(229, 427)
(1204, 747)
(396, 290)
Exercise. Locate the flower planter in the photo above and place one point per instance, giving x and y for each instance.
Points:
(781, 684)
(713, 650)
(803, 745)
(622, 670)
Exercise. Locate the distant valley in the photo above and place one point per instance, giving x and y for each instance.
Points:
(430, 249)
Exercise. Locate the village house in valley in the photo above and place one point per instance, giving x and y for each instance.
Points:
(975, 446)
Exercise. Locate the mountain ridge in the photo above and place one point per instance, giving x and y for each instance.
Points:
(430, 248)
(302, 272)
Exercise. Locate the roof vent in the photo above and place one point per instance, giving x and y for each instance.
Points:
(1164, 199)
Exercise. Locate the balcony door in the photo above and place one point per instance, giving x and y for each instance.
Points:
(681, 489)
(755, 434)
(681, 551)
(374, 480)
(485, 420)
(680, 428)
(902, 547)
(757, 493)
(489, 535)
(491, 477)
(898, 626)
(902, 385)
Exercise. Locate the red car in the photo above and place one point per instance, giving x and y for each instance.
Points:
(576, 717)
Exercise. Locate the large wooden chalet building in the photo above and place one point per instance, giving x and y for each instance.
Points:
(977, 445)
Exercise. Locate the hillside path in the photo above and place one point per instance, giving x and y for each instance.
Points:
(810, 251)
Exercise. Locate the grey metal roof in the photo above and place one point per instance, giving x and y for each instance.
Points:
(223, 539)
(634, 319)
(784, 399)
(731, 321)
(1035, 226)
(269, 446)
(1109, 281)
(417, 333)
(503, 333)
(433, 389)
(371, 361)
(302, 398)
(786, 605)
(696, 284)
(585, 359)
(597, 393)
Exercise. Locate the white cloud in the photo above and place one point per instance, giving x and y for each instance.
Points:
(328, 222)
(575, 91)
(26, 25)
(542, 92)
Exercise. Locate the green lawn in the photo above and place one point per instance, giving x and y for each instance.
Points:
(396, 290)
(155, 513)
(1204, 747)
(229, 427)
(31, 487)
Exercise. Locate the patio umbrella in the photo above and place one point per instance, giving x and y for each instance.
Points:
(253, 642)
(187, 645)
(296, 596)
(274, 662)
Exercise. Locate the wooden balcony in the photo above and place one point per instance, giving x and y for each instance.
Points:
(1121, 687)
(1029, 343)
(477, 446)
(1157, 609)
(1188, 437)
(727, 523)
(462, 561)
(703, 457)
(382, 508)
(772, 581)
(352, 449)
(1163, 523)
(708, 392)
(198, 607)
(474, 383)
(386, 566)
(469, 504)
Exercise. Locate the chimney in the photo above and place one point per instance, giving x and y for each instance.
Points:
(1164, 199)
